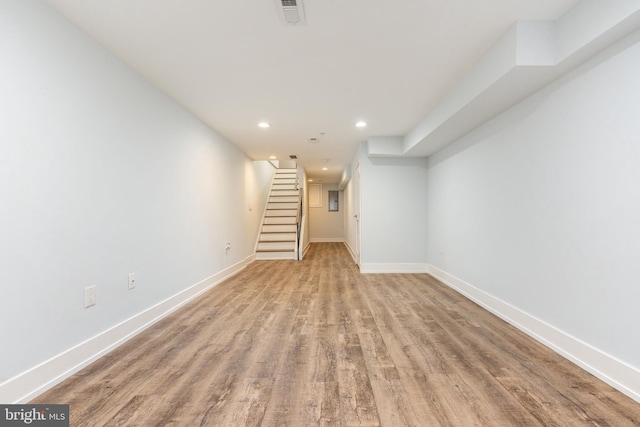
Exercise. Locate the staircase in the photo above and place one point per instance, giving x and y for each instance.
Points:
(278, 237)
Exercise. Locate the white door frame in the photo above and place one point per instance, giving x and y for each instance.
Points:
(356, 193)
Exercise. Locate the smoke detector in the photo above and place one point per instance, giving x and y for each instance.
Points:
(291, 12)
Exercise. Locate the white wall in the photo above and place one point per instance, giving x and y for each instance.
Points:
(305, 230)
(540, 207)
(325, 226)
(393, 202)
(351, 210)
(101, 175)
(258, 176)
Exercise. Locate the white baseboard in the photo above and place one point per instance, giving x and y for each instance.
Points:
(352, 252)
(614, 372)
(393, 268)
(305, 250)
(326, 240)
(29, 384)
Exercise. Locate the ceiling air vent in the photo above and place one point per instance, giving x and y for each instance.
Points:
(293, 156)
(313, 140)
(291, 11)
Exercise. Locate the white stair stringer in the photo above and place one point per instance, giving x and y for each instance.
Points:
(278, 238)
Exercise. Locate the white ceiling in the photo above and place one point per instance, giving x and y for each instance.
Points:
(234, 63)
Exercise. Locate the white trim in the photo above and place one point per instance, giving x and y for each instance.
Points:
(393, 268)
(276, 255)
(614, 372)
(351, 251)
(326, 240)
(40, 378)
(305, 250)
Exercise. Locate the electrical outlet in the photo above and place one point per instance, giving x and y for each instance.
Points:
(132, 280)
(227, 246)
(89, 296)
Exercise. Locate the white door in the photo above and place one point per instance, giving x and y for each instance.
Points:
(356, 216)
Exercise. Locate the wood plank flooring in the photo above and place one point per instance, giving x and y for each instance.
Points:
(288, 343)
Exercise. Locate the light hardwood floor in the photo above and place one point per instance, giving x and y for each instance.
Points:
(287, 343)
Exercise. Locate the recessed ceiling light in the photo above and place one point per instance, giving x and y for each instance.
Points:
(272, 157)
(325, 169)
(361, 124)
(264, 125)
(310, 180)
(325, 160)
